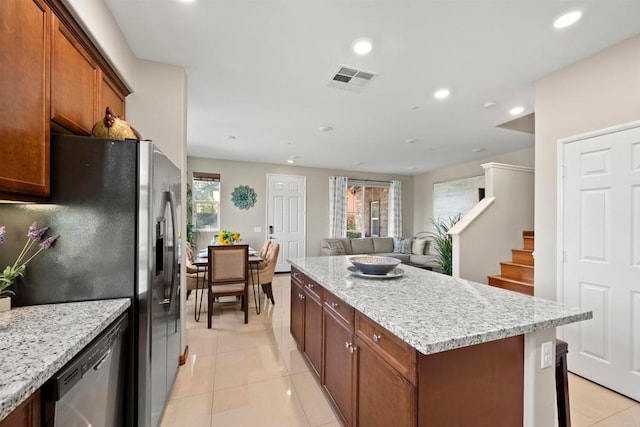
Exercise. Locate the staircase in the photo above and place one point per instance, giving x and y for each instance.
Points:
(517, 274)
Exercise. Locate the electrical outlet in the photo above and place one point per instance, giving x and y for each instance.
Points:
(546, 361)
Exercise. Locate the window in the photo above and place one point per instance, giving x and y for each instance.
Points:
(367, 208)
(206, 201)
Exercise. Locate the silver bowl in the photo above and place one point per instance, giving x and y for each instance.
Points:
(374, 265)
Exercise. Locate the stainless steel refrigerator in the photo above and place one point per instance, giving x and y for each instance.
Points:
(115, 205)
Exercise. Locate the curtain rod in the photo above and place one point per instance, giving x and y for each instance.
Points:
(368, 180)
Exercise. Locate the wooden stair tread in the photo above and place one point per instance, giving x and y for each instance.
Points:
(514, 264)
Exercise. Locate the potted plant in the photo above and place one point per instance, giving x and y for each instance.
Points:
(443, 242)
(32, 247)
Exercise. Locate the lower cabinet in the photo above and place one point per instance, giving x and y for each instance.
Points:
(384, 397)
(339, 366)
(297, 313)
(25, 415)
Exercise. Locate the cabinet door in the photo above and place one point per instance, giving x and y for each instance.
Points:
(313, 332)
(297, 314)
(384, 397)
(339, 366)
(27, 414)
(75, 81)
(110, 97)
(25, 40)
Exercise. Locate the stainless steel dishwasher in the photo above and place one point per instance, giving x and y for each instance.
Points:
(89, 390)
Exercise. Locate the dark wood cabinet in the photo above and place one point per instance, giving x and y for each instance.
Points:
(25, 415)
(297, 314)
(25, 40)
(75, 79)
(339, 368)
(384, 397)
(313, 327)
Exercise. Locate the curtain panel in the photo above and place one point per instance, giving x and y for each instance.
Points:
(395, 209)
(337, 206)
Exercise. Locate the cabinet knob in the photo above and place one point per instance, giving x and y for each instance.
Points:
(376, 337)
(334, 304)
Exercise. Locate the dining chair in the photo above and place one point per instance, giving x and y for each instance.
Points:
(264, 249)
(228, 276)
(263, 275)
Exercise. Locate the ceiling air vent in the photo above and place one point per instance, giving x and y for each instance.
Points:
(351, 79)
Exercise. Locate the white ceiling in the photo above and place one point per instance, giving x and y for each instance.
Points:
(259, 70)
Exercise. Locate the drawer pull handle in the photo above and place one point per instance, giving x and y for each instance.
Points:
(334, 304)
(376, 337)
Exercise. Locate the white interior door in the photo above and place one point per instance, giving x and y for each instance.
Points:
(286, 204)
(600, 237)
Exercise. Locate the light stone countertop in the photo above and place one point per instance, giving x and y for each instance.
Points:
(433, 312)
(36, 341)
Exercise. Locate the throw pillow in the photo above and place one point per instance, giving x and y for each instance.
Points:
(402, 245)
(336, 248)
(418, 246)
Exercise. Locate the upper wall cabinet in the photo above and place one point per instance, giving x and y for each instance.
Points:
(50, 72)
(75, 82)
(25, 39)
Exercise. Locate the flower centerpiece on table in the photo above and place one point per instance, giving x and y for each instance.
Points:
(32, 247)
(227, 237)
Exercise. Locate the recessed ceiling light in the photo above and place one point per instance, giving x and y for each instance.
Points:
(291, 161)
(411, 141)
(567, 19)
(479, 150)
(516, 110)
(325, 128)
(362, 46)
(441, 93)
(489, 105)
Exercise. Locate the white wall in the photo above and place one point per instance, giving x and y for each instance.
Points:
(481, 243)
(600, 91)
(254, 175)
(96, 19)
(423, 184)
(157, 108)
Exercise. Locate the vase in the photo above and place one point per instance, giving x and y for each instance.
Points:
(5, 304)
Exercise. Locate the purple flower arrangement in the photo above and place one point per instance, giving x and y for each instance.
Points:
(32, 247)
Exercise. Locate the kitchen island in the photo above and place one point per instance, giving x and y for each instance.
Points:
(36, 341)
(424, 348)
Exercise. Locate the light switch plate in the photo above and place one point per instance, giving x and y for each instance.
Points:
(545, 353)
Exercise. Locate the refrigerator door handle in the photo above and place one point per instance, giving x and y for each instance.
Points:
(172, 208)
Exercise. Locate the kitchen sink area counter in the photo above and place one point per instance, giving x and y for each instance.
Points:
(433, 312)
(36, 341)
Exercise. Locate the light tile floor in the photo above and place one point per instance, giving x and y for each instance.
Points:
(253, 375)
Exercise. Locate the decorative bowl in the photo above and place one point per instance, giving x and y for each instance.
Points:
(376, 265)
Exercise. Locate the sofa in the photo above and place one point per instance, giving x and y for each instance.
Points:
(412, 251)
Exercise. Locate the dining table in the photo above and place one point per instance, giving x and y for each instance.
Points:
(202, 264)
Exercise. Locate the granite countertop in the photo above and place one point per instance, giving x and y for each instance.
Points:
(433, 312)
(36, 341)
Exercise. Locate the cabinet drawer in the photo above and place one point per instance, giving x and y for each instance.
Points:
(399, 354)
(313, 289)
(297, 277)
(341, 309)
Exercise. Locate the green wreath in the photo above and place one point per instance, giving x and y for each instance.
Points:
(244, 197)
